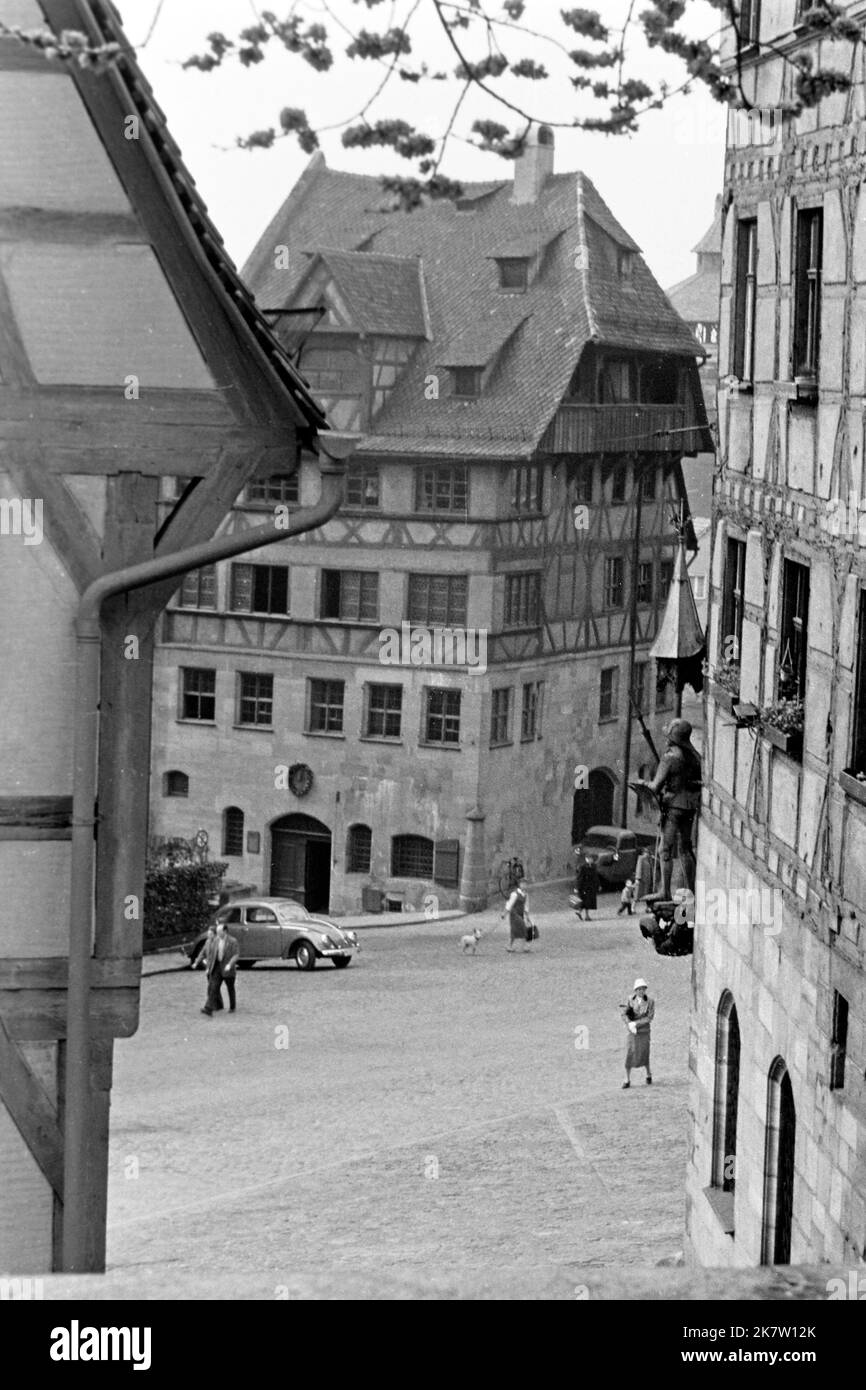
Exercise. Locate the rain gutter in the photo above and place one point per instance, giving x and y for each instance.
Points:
(336, 448)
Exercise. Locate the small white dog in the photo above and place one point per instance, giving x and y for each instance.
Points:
(470, 941)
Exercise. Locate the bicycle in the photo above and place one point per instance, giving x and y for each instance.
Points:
(510, 874)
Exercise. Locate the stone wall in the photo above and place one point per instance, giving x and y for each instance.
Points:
(791, 465)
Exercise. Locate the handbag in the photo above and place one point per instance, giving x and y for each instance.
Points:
(532, 932)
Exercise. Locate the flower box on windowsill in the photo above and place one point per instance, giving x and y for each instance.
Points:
(790, 743)
(853, 787)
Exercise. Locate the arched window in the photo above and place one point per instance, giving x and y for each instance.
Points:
(233, 830)
(359, 844)
(725, 1103)
(175, 784)
(778, 1167)
(411, 856)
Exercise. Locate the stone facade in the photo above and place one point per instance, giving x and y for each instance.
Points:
(523, 407)
(523, 785)
(781, 882)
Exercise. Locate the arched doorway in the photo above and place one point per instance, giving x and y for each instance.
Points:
(592, 805)
(779, 1167)
(301, 861)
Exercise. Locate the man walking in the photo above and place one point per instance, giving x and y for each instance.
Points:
(221, 959)
(677, 784)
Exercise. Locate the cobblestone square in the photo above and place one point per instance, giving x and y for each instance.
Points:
(421, 1112)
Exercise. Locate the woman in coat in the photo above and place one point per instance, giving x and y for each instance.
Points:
(517, 908)
(586, 884)
(638, 1015)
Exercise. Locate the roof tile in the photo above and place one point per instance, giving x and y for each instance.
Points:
(471, 318)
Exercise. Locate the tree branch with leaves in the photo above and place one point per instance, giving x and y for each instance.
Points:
(597, 63)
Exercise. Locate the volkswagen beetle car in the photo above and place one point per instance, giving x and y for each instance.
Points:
(279, 929)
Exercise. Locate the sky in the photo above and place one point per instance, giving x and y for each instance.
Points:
(660, 183)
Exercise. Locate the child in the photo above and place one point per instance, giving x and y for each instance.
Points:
(626, 898)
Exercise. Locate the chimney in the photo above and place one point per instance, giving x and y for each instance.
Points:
(532, 167)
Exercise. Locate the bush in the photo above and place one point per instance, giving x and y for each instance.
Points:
(176, 906)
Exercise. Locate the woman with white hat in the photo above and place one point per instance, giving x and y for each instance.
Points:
(638, 1015)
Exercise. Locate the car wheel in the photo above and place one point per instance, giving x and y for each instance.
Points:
(245, 964)
(304, 956)
(341, 961)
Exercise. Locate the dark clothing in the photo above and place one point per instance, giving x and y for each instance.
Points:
(221, 972)
(586, 884)
(517, 916)
(638, 1049)
(677, 840)
(677, 784)
(215, 981)
(679, 778)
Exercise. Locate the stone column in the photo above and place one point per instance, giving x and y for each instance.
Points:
(473, 880)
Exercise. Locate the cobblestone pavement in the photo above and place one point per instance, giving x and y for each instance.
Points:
(420, 1112)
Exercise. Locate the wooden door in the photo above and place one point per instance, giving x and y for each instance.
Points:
(288, 865)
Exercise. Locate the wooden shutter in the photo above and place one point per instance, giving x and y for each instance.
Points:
(242, 588)
(446, 863)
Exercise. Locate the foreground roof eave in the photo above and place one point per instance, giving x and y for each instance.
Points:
(193, 222)
(422, 447)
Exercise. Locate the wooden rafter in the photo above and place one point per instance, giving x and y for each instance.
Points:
(31, 1110)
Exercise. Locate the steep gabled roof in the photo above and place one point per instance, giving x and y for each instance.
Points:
(473, 322)
(384, 294)
(480, 342)
(710, 243)
(111, 99)
(697, 297)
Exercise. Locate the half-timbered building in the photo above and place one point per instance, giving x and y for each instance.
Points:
(696, 299)
(525, 395)
(778, 1047)
(129, 350)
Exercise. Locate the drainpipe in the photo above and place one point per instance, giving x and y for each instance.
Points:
(88, 636)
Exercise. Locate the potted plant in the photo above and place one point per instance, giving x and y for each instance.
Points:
(726, 683)
(782, 725)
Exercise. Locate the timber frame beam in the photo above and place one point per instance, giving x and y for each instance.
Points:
(35, 1117)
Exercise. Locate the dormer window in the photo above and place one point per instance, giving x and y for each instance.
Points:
(467, 381)
(513, 272)
(625, 263)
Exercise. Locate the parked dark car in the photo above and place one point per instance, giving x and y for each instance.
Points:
(279, 929)
(615, 852)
